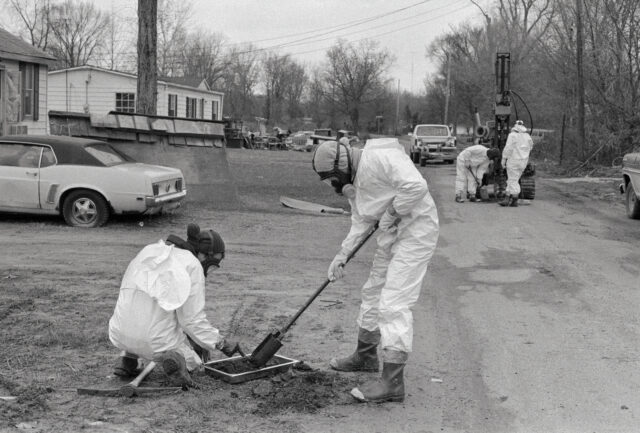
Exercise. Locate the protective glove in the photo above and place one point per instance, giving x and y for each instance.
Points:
(504, 163)
(229, 347)
(389, 220)
(336, 268)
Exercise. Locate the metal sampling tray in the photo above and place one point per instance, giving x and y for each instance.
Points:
(225, 369)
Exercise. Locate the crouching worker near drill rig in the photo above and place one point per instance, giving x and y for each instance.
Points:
(515, 157)
(471, 165)
(382, 184)
(160, 315)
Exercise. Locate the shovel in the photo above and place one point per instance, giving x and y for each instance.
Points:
(273, 342)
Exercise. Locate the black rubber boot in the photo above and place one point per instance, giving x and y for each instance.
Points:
(126, 367)
(365, 358)
(390, 387)
(513, 202)
(506, 201)
(175, 368)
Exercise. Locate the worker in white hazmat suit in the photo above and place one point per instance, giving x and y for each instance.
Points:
(160, 314)
(382, 184)
(515, 157)
(471, 164)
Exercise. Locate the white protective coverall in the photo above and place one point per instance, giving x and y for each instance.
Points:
(515, 156)
(162, 298)
(386, 176)
(471, 161)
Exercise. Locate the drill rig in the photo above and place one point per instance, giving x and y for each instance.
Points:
(494, 134)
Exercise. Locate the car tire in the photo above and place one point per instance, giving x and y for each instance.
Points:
(84, 208)
(451, 161)
(632, 203)
(423, 162)
(527, 188)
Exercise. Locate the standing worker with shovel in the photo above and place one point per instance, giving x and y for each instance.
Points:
(382, 184)
(471, 165)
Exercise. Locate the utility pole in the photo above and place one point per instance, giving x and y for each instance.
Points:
(146, 98)
(448, 91)
(397, 109)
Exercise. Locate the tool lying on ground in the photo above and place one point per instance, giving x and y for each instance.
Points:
(132, 388)
(273, 342)
(312, 207)
(484, 194)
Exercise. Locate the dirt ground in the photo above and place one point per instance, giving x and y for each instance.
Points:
(58, 287)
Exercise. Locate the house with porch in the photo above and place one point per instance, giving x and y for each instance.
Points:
(98, 91)
(23, 86)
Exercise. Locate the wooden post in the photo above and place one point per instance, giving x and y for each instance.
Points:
(146, 98)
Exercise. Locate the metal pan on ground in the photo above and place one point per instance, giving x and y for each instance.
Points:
(238, 369)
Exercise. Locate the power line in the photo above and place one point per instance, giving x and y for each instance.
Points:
(386, 33)
(299, 42)
(338, 26)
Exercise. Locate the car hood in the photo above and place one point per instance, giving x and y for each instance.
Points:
(153, 171)
(631, 160)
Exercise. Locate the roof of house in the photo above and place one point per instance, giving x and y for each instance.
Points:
(186, 81)
(193, 83)
(14, 48)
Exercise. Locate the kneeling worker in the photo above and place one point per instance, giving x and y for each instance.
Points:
(471, 165)
(160, 315)
(382, 184)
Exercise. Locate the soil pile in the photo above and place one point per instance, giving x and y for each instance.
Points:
(303, 392)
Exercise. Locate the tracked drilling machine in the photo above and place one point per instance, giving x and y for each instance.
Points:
(494, 134)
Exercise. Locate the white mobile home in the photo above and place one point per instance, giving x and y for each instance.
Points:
(97, 91)
(23, 86)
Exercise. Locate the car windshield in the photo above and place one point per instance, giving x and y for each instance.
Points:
(433, 131)
(105, 154)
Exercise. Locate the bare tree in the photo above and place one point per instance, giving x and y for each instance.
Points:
(79, 29)
(204, 57)
(355, 76)
(296, 79)
(173, 18)
(147, 57)
(34, 15)
(274, 68)
(240, 80)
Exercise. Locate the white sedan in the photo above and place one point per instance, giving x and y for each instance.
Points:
(84, 180)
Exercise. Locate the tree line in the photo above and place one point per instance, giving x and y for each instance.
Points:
(574, 68)
(574, 63)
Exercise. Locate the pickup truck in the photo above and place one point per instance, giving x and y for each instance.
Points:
(630, 185)
(432, 142)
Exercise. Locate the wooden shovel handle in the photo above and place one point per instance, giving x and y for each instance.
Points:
(144, 373)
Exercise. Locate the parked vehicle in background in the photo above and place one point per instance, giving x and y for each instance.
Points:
(83, 180)
(302, 141)
(432, 143)
(630, 185)
(322, 134)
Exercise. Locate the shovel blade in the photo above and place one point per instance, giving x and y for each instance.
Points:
(265, 350)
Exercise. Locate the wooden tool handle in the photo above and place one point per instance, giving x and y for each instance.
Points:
(144, 373)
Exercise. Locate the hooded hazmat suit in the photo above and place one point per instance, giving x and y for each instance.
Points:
(472, 161)
(515, 157)
(385, 176)
(161, 301)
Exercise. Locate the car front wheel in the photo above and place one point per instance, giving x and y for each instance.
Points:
(633, 204)
(85, 208)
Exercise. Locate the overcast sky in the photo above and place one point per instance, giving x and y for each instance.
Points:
(306, 28)
(314, 25)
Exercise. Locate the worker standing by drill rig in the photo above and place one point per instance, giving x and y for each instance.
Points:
(499, 135)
